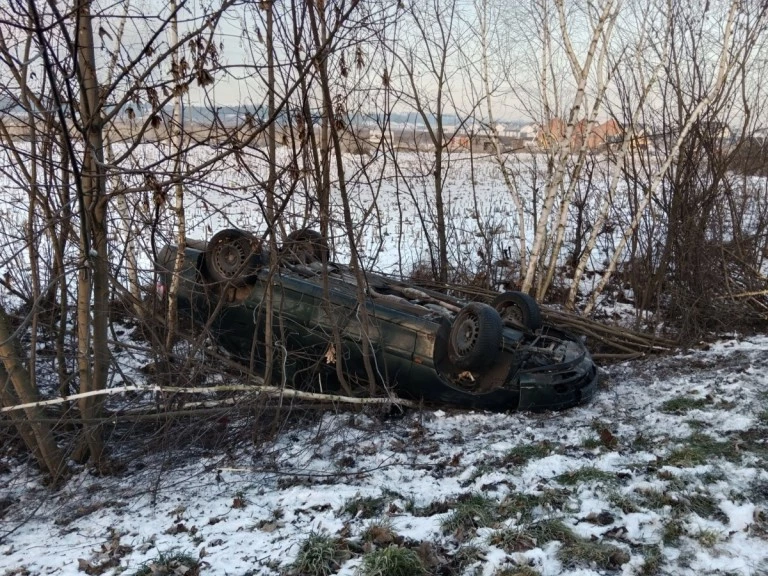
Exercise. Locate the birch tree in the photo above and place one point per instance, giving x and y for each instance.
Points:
(643, 83)
(603, 74)
(600, 34)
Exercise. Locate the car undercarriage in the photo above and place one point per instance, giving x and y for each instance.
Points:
(404, 339)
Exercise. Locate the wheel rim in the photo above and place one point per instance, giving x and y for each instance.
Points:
(230, 258)
(512, 312)
(305, 245)
(467, 335)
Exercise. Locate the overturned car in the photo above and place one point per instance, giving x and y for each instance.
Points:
(424, 344)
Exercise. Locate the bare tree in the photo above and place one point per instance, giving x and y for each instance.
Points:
(427, 60)
(61, 89)
(489, 13)
(741, 28)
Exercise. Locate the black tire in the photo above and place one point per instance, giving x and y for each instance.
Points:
(475, 338)
(231, 256)
(520, 308)
(305, 245)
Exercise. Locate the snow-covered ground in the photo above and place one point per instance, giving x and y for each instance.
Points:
(664, 472)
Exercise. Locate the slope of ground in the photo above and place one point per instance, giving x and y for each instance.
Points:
(665, 472)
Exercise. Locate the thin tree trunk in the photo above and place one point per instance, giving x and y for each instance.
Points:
(59, 268)
(365, 325)
(37, 435)
(323, 176)
(126, 222)
(511, 188)
(269, 296)
(177, 143)
(94, 270)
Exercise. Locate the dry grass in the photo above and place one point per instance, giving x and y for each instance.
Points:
(574, 550)
(320, 555)
(392, 561)
(472, 512)
(520, 455)
(682, 404)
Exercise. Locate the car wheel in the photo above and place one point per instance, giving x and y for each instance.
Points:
(228, 256)
(520, 308)
(475, 337)
(305, 245)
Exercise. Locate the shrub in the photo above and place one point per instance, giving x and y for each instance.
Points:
(473, 512)
(392, 561)
(320, 555)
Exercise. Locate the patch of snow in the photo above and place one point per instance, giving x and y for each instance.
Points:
(252, 513)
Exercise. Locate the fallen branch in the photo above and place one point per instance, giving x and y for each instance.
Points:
(211, 408)
(608, 357)
(625, 343)
(743, 295)
(611, 334)
(270, 391)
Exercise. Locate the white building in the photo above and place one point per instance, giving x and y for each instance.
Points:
(529, 131)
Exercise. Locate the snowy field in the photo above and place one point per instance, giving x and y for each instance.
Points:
(664, 473)
(392, 207)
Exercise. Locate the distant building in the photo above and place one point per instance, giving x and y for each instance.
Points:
(457, 143)
(505, 130)
(596, 136)
(363, 132)
(529, 132)
(605, 134)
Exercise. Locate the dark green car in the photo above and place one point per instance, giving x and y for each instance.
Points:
(425, 345)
